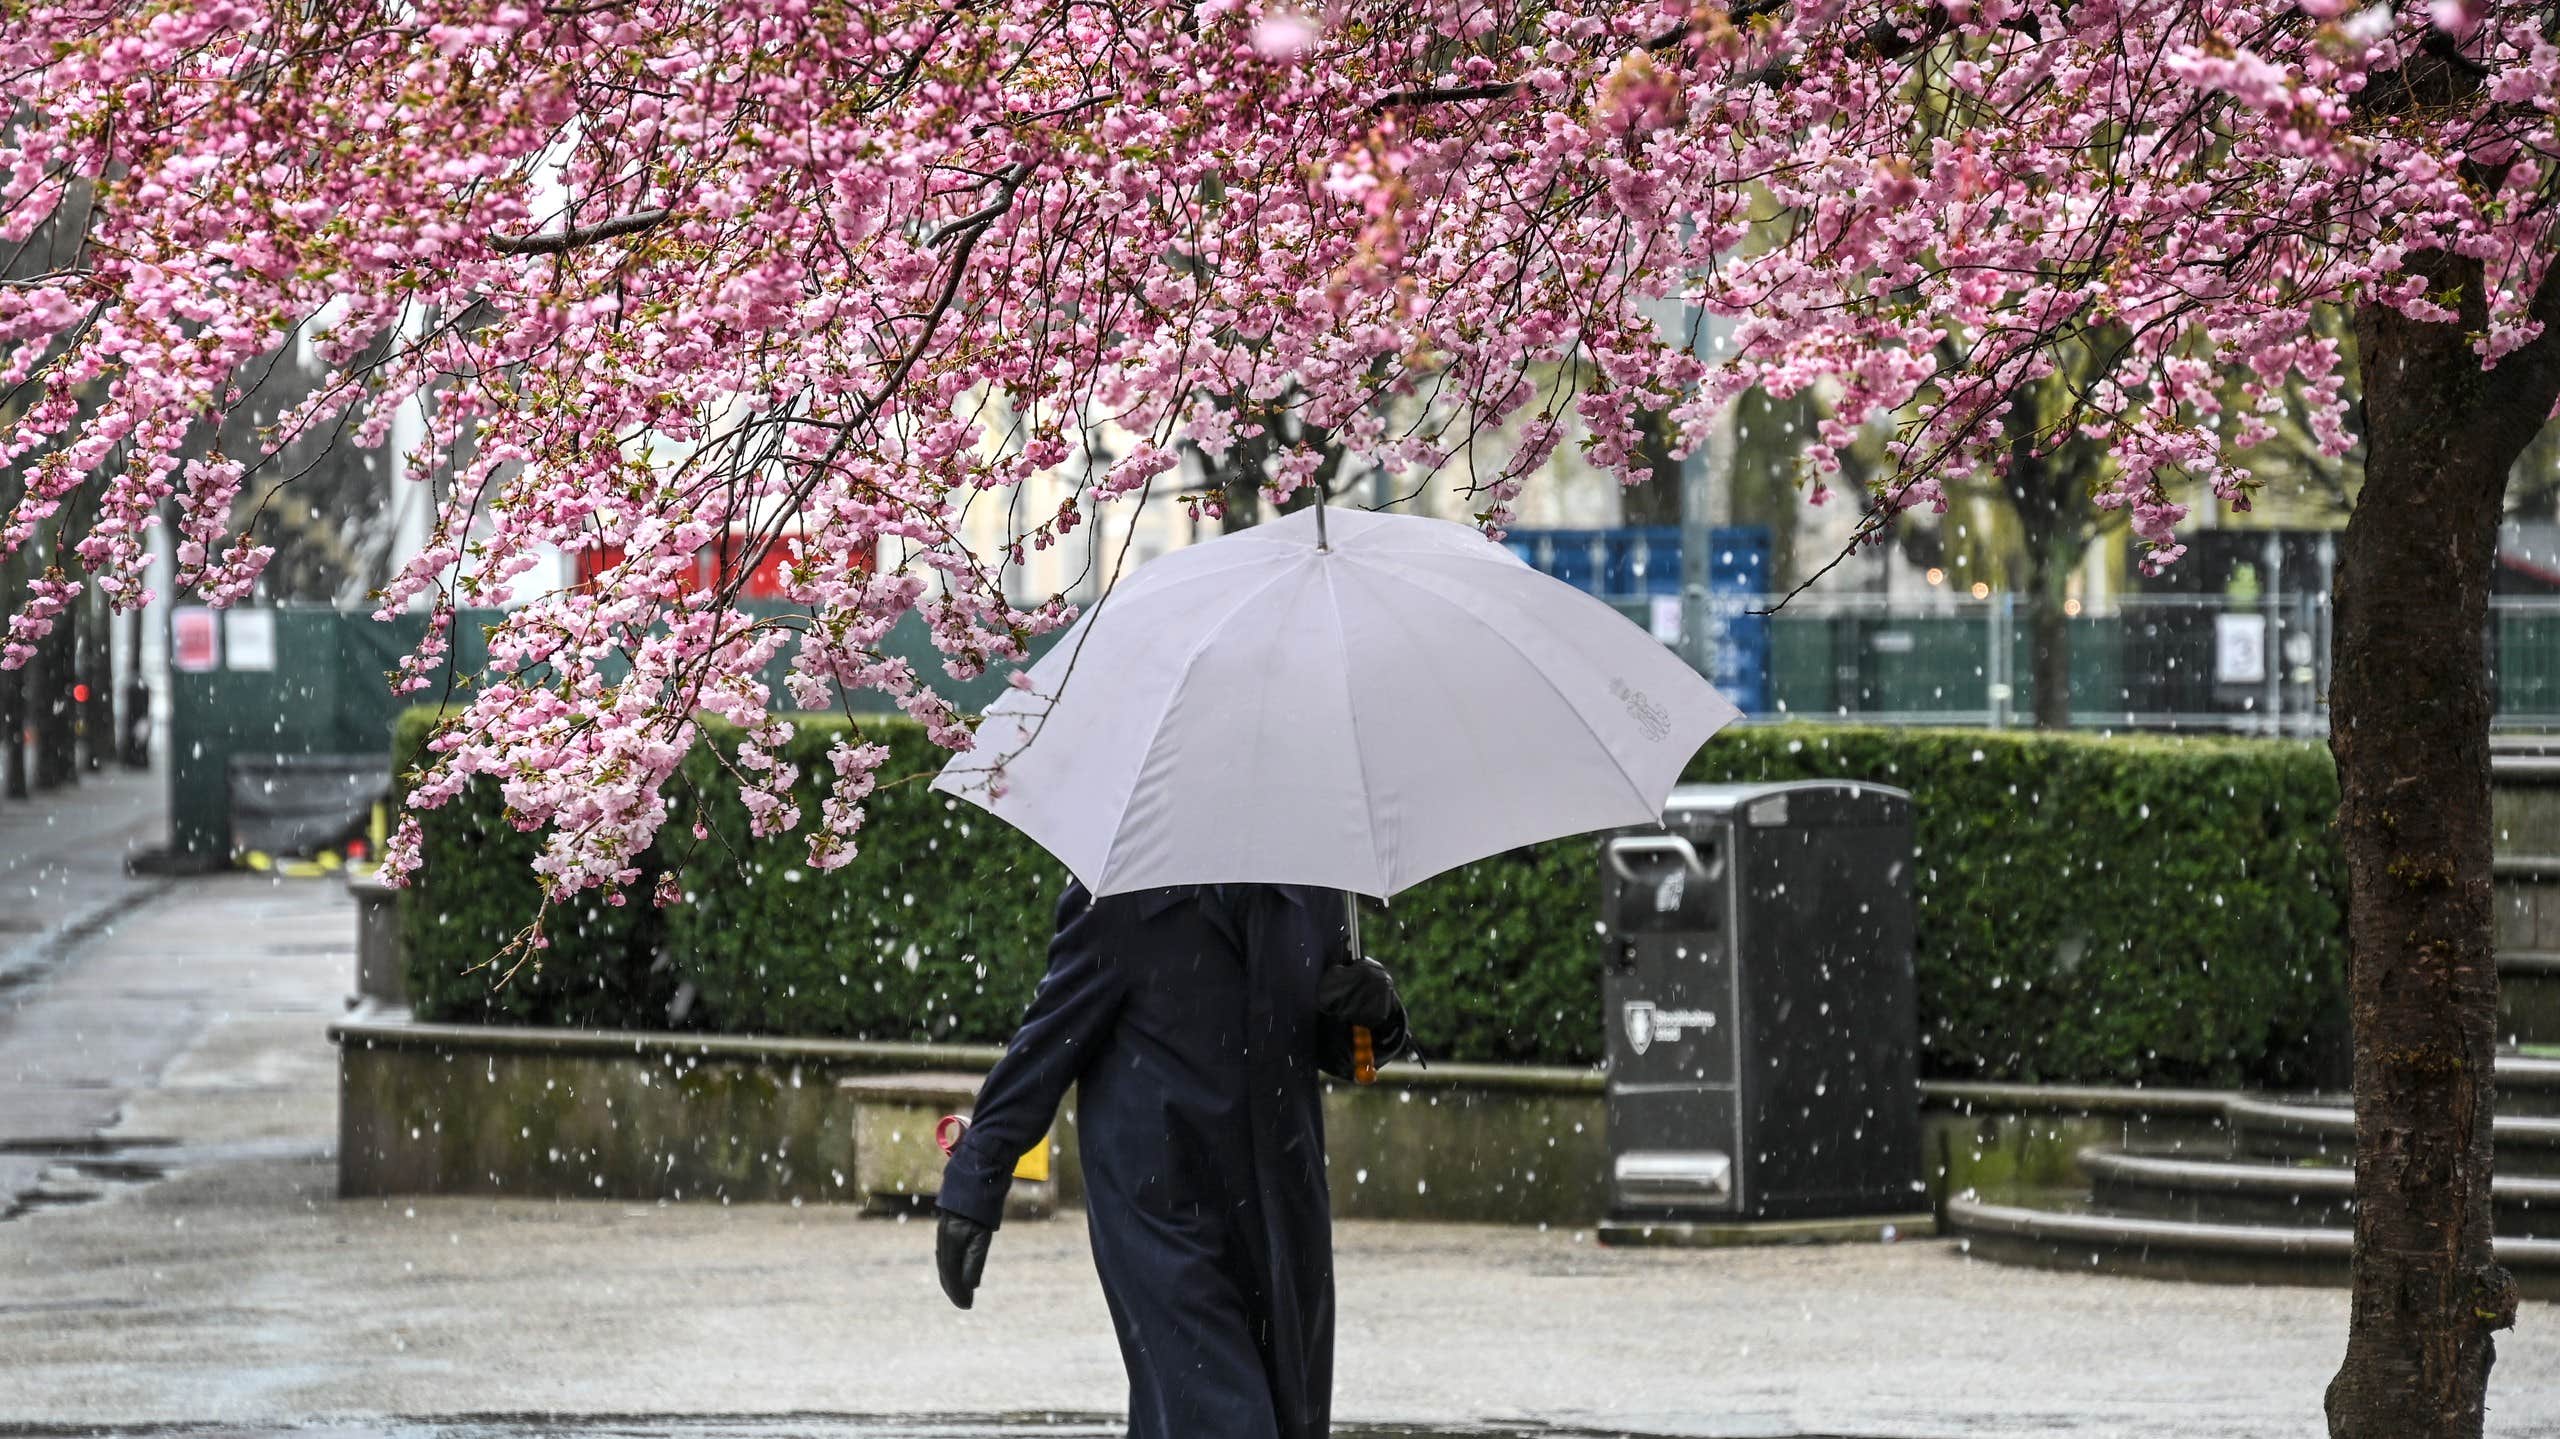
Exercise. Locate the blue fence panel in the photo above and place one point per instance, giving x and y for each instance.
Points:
(1737, 574)
(1616, 563)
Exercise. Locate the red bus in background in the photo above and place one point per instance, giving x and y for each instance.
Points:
(718, 561)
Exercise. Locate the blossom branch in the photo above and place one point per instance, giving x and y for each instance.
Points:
(582, 236)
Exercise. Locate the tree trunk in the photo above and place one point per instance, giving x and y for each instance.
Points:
(1239, 478)
(2048, 639)
(2051, 554)
(134, 709)
(2048, 492)
(1239, 481)
(13, 713)
(56, 670)
(2409, 726)
(98, 673)
(1656, 502)
(1242, 507)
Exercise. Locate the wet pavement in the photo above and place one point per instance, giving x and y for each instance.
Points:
(62, 874)
(63, 885)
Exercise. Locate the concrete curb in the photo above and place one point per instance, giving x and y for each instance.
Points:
(468, 1109)
(1999, 1097)
(394, 1029)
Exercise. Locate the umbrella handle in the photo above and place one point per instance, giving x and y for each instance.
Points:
(947, 1131)
(1364, 1050)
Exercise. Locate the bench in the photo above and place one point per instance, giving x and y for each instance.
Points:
(896, 1164)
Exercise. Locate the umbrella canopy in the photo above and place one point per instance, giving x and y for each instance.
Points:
(1359, 716)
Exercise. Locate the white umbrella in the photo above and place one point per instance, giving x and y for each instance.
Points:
(1351, 700)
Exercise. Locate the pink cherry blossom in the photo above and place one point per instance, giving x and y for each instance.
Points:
(838, 278)
(1283, 35)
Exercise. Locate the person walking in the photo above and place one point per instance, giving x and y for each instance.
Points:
(1196, 1021)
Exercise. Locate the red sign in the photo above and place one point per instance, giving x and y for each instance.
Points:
(716, 561)
(194, 640)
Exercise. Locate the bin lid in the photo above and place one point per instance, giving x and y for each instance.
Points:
(1727, 798)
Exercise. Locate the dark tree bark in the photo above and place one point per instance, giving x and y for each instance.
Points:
(2409, 726)
(55, 671)
(13, 713)
(98, 672)
(2033, 482)
(2047, 489)
(1240, 490)
(1657, 500)
(1239, 476)
(133, 705)
(1767, 479)
(2048, 640)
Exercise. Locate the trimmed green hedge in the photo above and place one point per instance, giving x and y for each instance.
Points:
(2134, 908)
(606, 966)
(938, 929)
(2089, 909)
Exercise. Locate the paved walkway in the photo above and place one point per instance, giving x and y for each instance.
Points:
(63, 882)
(211, 1278)
(62, 861)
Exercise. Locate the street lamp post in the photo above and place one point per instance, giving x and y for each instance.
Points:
(1703, 506)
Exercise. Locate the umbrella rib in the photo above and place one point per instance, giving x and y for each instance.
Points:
(1382, 867)
(1530, 662)
(1155, 731)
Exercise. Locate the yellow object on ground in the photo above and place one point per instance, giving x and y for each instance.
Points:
(328, 861)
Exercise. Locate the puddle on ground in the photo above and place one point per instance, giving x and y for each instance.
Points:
(108, 1144)
(85, 1169)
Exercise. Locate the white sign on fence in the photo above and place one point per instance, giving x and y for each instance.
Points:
(249, 638)
(2239, 649)
(1666, 618)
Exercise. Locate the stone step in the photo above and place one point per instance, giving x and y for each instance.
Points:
(2524, 803)
(2525, 902)
(2528, 1086)
(2098, 1241)
(2524, 795)
(2324, 1128)
(2525, 822)
(2224, 1191)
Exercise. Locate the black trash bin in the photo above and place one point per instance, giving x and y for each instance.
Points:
(1763, 1066)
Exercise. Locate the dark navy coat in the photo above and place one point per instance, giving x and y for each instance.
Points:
(1187, 1017)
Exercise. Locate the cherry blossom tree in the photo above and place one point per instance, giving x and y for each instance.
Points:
(840, 276)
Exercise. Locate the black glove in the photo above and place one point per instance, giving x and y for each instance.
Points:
(960, 1254)
(1361, 993)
